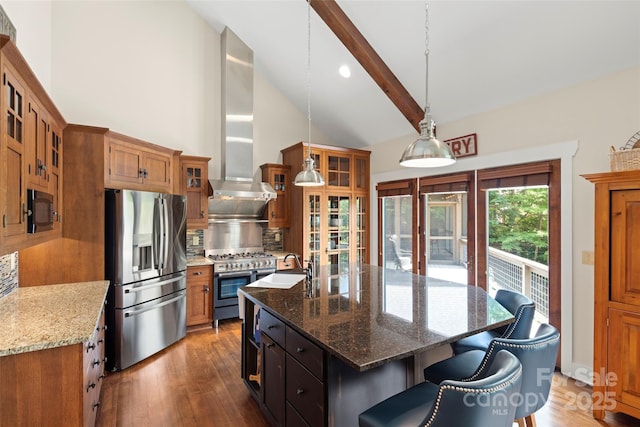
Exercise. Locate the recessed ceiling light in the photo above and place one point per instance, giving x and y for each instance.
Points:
(344, 71)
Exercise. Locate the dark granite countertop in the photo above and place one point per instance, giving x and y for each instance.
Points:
(370, 315)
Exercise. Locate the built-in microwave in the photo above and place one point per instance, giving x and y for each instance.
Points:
(39, 211)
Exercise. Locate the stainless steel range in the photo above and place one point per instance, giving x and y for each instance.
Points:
(233, 270)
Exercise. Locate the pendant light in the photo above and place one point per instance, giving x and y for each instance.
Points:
(308, 176)
(427, 151)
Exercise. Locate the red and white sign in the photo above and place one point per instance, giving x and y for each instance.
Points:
(464, 146)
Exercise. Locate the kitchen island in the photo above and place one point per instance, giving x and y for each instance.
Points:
(320, 353)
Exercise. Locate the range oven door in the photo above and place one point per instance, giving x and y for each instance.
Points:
(226, 285)
(225, 292)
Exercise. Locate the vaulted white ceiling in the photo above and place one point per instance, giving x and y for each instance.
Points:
(483, 55)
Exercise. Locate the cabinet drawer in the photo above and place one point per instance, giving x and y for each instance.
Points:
(286, 265)
(305, 352)
(272, 327)
(202, 271)
(304, 392)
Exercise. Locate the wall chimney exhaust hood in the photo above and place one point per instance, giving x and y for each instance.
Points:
(238, 196)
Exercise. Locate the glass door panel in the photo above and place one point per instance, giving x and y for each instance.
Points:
(518, 244)
(338, 171)
(397, 239)
(314, 216)
(446, 236)
(338, 223)
(361, 230)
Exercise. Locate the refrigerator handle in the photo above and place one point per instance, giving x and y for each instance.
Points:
(157, 234)
(165, 233)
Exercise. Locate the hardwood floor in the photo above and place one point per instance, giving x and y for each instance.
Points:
(196, 382)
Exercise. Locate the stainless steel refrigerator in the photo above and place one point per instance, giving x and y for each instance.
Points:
(146, 263)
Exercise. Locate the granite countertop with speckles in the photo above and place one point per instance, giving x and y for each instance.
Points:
(369, 315)
(41, 317)
(195, 261)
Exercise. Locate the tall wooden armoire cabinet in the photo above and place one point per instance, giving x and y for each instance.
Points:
(330, 224)
(616, 352)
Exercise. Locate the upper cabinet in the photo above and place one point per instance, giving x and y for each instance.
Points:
(194, 177)
(30, 151)
(278, 210)
(138, 165)
(331, 226)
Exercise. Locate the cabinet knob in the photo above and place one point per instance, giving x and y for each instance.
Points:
(201, 214)
(197, 273)
(271, 345)
(300, 349)
(299, 391)
(206, 289)
(95, 405)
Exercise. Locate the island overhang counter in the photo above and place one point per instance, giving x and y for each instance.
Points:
(356, 335)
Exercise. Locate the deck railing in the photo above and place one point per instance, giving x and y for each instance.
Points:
(522, 275)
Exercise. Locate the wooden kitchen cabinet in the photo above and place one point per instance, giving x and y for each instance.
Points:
(194, 178)
(138, 165)
(31, 130)
(334, 226)
(55, 386)
(87, 162)
(278, 211)
(199, 295)
(617, 293)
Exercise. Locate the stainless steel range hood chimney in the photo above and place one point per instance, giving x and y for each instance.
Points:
(237, 196)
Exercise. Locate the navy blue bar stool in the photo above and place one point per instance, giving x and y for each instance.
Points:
(537, 355)
(482, 402)
(522, 307)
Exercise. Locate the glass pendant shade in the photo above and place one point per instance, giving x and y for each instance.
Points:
(427, 151)
(308, 176)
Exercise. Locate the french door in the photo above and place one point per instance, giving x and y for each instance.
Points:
(446, 252)
(450, 239)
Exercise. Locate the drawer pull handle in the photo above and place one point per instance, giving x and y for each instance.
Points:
(90, 386)
(271, 327)
(271, 345)
(299, 391)
(91, 346)
(100, 341)
(300, 349)
(95, 405)
(198, 273)
(95, 362)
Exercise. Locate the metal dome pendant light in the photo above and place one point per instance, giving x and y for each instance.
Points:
(427, 151)
(308, 176)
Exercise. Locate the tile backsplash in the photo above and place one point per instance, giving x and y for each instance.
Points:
(8, 273)
(272, 239)
(195, 243)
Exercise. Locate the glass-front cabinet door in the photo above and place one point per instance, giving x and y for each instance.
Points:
(338, 170)
(339, 226)
(314, 227)
(361, 230)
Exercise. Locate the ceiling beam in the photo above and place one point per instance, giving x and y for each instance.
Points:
(354, 41)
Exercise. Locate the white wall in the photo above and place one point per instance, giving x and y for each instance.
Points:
(590, 117)
(151, 70)
(32, 20)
